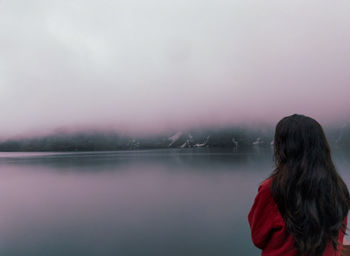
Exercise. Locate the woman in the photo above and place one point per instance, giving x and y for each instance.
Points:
(301, 209)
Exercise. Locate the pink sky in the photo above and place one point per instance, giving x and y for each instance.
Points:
(148, 66)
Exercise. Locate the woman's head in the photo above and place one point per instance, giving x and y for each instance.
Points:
(298, 137)
(311, 196)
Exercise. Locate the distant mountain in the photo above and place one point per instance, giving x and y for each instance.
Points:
(342, 136)
(234, 137)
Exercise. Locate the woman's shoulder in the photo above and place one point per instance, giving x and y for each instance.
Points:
(265, 186)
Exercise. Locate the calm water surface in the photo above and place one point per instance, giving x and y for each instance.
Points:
(158, 202)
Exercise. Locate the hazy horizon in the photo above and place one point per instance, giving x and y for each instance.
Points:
(148, 67)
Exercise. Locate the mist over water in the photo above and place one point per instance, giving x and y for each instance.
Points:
(111, 75)
(86, 74)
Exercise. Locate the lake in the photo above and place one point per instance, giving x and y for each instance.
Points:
(126, 203)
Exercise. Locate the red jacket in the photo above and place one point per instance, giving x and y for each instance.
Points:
(268, 229)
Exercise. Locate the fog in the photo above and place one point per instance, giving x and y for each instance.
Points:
(147, 66)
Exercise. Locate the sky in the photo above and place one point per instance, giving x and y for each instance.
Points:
(148, 66)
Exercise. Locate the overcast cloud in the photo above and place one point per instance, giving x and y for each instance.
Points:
(140, 65)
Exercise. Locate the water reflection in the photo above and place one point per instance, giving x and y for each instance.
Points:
(161, 202)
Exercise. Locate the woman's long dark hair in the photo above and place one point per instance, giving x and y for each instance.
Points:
(312, 198)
